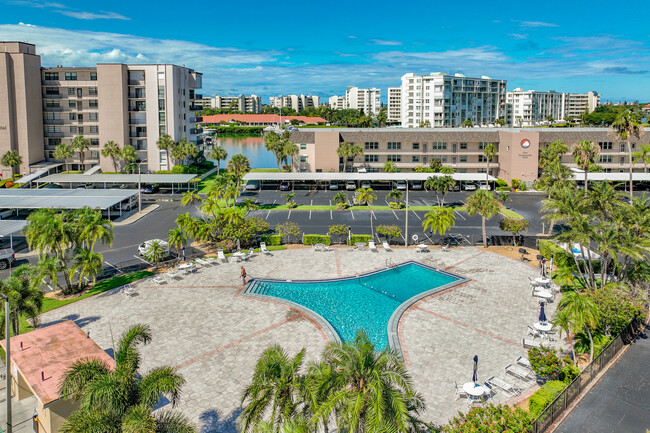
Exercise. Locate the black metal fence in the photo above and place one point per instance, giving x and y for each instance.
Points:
(578, 385)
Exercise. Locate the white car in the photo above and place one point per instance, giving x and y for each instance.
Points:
(351, 185)
(485, 187)
(142, 249)
(365, 184)
(399, 185)
(470, 187)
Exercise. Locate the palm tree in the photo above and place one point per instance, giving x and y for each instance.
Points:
(348, 150)
(395, 194)
(166, 143)
(113, 151)
(94, 228)
(643, 154)
(389, 167)
(562, 321)
(367, 196)
(369, 390)
(121, 399)
(276, 387)
(88, 264)
(48, 269)
(64, 151)
(81, 145)
(584, 155)
(176, 238)
(583, 314)
(439, 220)
(441, 185)
(290, 150)
(238, 166)
(483, 203)
(25, 295)
(273, 143)
(218, 154)
(489, 152)
(128, 154)
(627, 125)
(156, 252)
(11, 159)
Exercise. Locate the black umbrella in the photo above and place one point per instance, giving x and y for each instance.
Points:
(543, 268)
(475, 375)
(542, 315)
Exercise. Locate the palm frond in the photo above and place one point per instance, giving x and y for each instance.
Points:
(161, 380)
(79, 375)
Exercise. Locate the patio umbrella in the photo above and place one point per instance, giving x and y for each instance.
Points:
(238, 246)
(183, 252)
(475, 374)
(551, 265)
(543, 267)
(542, 315)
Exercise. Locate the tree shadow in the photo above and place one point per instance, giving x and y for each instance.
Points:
(211, 422)
(80, 321)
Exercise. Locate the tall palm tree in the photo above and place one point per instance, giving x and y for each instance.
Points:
(643, 154)
(218, 154)
(371, 390)
(238, 166)
(348, 150)
(81, 145)
(113, 151)
(562, 321)
(489, 152)
(11, 159)
(23, 289)
(389, 167)
(441, 185)
(584, 154)
(156, 252)
(276, 387)
(439, 220)
(367, 196)
(177, 238)
(627, 125)
(48, 269)
(290, 150)
(94, 228)
(583, 314)
(273, 143)
(120, 398)
(88, 264)
(483, 203)
(64, 151)
(128, 154)
(166, 143)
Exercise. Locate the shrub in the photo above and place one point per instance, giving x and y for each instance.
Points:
(288, 231)
(545, 361)
(490, 419)
(544, 396)
(340, 231)
(9, 184)
(502, 183)
(617, 309)
(569, 371)
(341, 206)
(292, 205)
(227, 245)
(582, 342)
(561, 258)
(359, 238)
(271, 239)
(395, 205)
(503, 188)
(389, 231)
(316, 239)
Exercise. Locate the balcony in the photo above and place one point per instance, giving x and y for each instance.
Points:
(137, 95)
(52, 109)
(137, 134)
(137, 121)
(194, 107)
(136, 82)
(196, 130)
(137, 108)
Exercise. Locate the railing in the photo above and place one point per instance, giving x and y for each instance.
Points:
(575, 388)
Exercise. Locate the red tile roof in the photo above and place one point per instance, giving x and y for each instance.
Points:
(48, 352)
(259, 118)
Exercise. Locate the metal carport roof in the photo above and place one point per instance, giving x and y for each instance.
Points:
(117, 178)
(11, 227)
(611, 177)
(21, 198)
(467, 177)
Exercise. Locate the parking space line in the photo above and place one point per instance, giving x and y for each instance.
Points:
(289, 216)
(117, 269)
(267, 214)
(140, 258)
(431, 240)
(331, 217)
(309, 213)
(372, 212)
(352, 213)
(396, 217)
(458, 213)
(414, 213)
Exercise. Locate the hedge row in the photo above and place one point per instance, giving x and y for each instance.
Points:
(316, 239)
(561, 257)
(359, 238)
(544, 396)
(272, 239)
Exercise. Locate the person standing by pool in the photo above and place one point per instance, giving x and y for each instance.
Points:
(243, 275)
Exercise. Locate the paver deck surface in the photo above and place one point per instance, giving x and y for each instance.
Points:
(214, 335)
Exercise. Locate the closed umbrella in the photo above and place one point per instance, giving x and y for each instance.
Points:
(544, 268)
(475, 375)
(238, 245)
(542, 315)
(183, 252)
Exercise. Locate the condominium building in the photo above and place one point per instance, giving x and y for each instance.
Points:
(337, 103)
(532, 108)
(368, 100)
(295, 102)
(579, 103)
(245, 104)
(127, 104)
(394, 104)
(441, 100)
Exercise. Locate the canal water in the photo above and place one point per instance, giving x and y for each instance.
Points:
(251, 147)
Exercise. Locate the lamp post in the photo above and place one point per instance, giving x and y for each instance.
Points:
(8, 362)
(140, 162)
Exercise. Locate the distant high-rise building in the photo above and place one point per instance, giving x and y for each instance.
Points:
(442, 100)
(337, 103)
(579, 103)
(295, 102)
(245, 104)
(533, 108)
(394, 104)
(367, 100)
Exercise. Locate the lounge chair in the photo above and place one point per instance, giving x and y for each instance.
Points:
(250, 254)
(173, 273)
(502, 385)
(212, 260)
(531, 343)
(372, 246)
(524, 362)
(202, 262)
(459, 391)
(518, 371)
(221, 257)
(158, 279)
(445, 247)
(533, 332)
(263, 248)
(128, 290)
(386, 246)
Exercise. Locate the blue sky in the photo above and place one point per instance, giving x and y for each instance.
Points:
(270, 48)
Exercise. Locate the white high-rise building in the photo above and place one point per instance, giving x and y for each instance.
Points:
(441, 100)
(243, 103)
(533, 108)
(337, 103)
(394, 104)
(295, 102)
(578, 103)
(367, 100)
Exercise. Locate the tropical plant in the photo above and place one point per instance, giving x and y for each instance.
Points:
(339, 230)
(441, 185)
(395, 195)
(120, 399)
(177, 238)
(545, 362)
(12, 159)
(81, 145)
(552, 153)
(643, 154)
(514, 226)
(367, 196)
(348, 151)
(626, 126)
(184, 150)
(289, 197)
(218, 154)
(238, 166)
(289, 231)
(64, 151)
(389, 167)
(467, 123)
(389, 231)
(166, 143)
(585, 154)
(582, 313)
(289, 150)
(439, 220)
(492, 419)
(128, 154)
(88, 264)
(93, 227)
(25, 296)
(489, 152)
(273, 144)
(482, 202)
(155, 252)
(111, 150)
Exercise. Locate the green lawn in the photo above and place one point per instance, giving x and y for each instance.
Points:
(264, 170)
(510, 213)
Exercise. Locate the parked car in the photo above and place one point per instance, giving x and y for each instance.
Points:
(351, 185)
(252, 185)
(399, 184)
(333, 186)
(150, 189)
(470, 187)
(144, 246)
(285, 186)
(85, 186)
(52, 186)
(454, 187)
(485, 187)
(416, 185)
(7, 256)
(365, 184)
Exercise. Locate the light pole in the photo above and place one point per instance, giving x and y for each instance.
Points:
(140, 162)
(8, 362)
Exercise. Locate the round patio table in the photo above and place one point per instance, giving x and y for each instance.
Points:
(544, 294)
(422, 246)
(474, 389)
(541, 280)
(544, 327)
(185, 266)
(238, 255)
(360, 244)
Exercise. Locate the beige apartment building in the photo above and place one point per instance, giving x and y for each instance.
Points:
(459, 148)
(245, 104)
(531, 107)
(394, 104)
(295, 102)
(127, 104)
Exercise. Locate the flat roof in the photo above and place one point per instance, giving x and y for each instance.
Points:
(10, 227)
(22, 198)
(471, 177)
(117, 178)
(612, 177)
(40, 171)
(48, 352)
(460, 129)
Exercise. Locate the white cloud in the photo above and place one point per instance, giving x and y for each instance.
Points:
(384, 42)
(537, 24)
(93, 16)
(26, 25)
(517, 36)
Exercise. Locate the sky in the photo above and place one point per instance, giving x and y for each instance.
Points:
(290, 47)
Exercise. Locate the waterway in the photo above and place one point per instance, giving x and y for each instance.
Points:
(251, 147)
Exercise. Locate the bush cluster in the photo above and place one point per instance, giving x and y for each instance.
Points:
(561, 258)
(271, 239)
(316, 239)
(544, 396)
(359, 238)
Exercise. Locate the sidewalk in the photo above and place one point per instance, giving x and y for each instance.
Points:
(134, 216)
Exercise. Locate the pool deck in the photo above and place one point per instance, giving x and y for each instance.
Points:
(205, 326)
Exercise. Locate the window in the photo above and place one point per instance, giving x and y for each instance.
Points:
(161, 117)
(161, 91)
(622, 148)
(303, 158)
(416, 158)
(463, 146)
(92, 103)
(53, 128)
(94, 129)
(72, 104)
(70, 91)
(482, 158)
(394, 145)
(394, 158)
(93, 76)
(52, 104)
(92, 91)
(371, 145)
(416, 146)
(463, 159)
(482, 145)
(51, 75)
(439, 145)
(371, 158)
(94, 141)
(73, 129)
(79, 92)
(52, 116)
(73, 116)
(71, 76)
(303, 146)
(80, 129)
(161, 129)
(53, 141)
(94, 154)
(92, 116)
(605, 158)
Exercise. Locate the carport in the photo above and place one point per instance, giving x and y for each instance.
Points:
(622, 177)
(10, 228)
(107, 180)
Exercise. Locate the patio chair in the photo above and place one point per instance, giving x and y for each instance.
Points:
(158, 279)
(221, 256)
(533, 332)
(128, 290)
(459, 391)
(386, 246)
(263, 248)
(172, 274)
(445, 247)
(531, 343)
(249, 254)
(202, 262)
(372, 247)
(502, 385)
(212, 260)
(491, 392)
(518, 372)
(524, 362)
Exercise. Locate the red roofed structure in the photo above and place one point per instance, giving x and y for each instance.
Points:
(259, 119)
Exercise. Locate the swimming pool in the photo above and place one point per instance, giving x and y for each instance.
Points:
(373, 301)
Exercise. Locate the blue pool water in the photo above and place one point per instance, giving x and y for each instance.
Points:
(364, 303)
